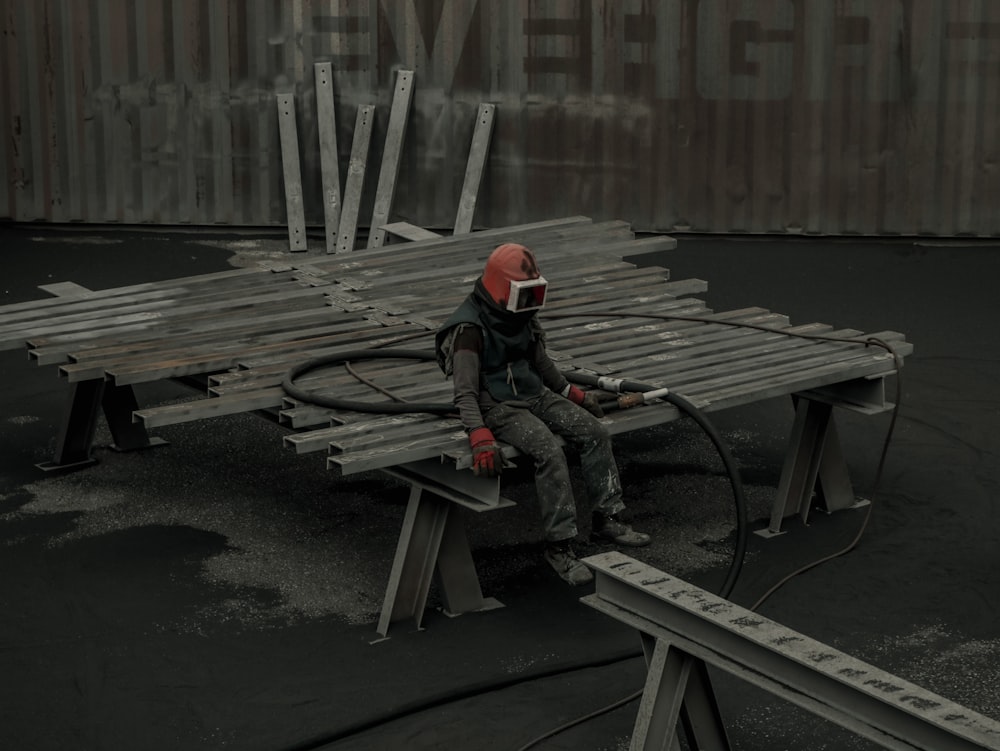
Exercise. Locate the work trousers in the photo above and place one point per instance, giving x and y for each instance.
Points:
(532, 429)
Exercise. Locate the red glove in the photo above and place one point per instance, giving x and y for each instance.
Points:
(586, 399)
(487, 460)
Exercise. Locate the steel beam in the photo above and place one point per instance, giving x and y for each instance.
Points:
(475, 168)
(392, 156)
(871, 702)
(328, 154)
(292, 172)
(357, 167)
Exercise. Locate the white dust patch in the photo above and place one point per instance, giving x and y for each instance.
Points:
(319, 545)
(250, 252)
(22, 419)
(518, 664)
(946, 663)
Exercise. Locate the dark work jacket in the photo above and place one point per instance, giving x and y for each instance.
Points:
(513, 365)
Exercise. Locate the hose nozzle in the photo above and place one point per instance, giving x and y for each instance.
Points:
(625, 401)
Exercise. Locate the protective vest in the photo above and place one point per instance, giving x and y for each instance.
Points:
(506, 370)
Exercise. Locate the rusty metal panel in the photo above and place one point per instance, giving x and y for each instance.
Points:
(875, 117)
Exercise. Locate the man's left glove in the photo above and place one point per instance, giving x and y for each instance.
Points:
(586, 399)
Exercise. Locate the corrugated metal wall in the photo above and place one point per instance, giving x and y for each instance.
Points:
(813, 116)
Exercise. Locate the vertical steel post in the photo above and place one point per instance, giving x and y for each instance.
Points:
(289, 136)
(392, 156)
(328, 159)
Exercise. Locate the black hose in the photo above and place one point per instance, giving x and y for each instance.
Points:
(444, 698)
(742, 533)
(332, 402)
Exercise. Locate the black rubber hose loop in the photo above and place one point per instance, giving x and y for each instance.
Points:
(332, 402)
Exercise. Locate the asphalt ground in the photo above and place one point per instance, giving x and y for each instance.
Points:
(220, 592)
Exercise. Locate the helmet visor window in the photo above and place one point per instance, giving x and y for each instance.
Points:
(527, 295)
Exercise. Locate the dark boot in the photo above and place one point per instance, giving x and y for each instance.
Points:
(561, 557)
(612, 529)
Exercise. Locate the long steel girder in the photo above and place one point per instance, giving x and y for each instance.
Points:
(703, 627)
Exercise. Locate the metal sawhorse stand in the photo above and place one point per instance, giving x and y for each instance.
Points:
(433, 543)
(814, 461)
(85, 401)
(684, 629)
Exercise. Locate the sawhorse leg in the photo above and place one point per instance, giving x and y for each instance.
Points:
(119, 403)
(814, 462)
(678, 690)
(76, 436)
(431, 542)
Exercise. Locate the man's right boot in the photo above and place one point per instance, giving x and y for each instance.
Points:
(561, 557)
